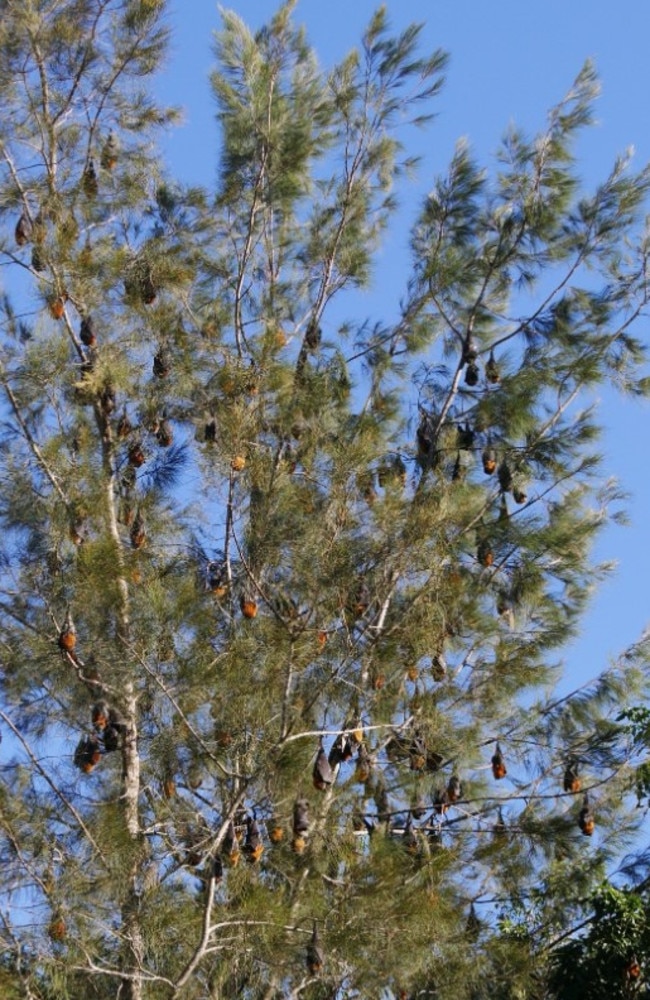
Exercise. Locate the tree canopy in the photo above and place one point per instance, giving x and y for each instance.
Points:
(283, 590)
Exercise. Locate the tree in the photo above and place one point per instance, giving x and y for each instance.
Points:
(281, 592)
(607, 958)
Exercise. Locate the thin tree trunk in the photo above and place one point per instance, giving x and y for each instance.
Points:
(131, 927)
(133, 950)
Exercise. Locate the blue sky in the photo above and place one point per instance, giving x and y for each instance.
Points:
(510, 62)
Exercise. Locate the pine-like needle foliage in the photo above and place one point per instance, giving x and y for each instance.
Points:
(282, 596)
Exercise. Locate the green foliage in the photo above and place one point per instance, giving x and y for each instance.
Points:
(607, 960)
(237, 531)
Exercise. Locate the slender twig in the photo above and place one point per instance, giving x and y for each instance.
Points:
(186, 721)
(206, 932)
(57, 791)
(31, 440)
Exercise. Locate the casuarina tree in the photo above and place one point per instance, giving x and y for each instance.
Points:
(284, 586)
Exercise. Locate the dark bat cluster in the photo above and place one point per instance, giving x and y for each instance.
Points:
(109, 731)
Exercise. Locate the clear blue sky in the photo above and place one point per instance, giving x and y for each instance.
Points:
(510, 61)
